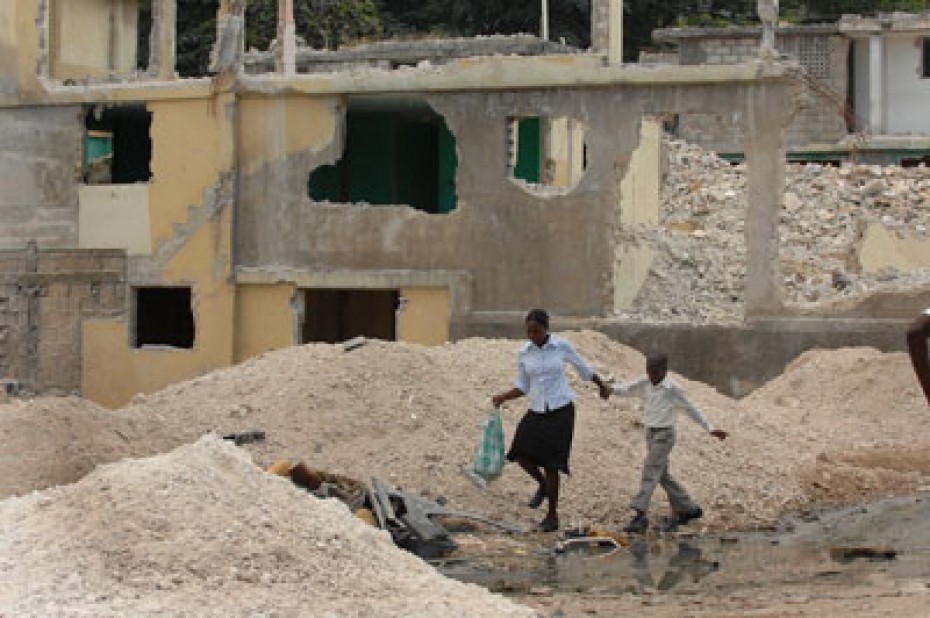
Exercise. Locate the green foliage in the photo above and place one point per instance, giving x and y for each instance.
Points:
(323, 24)
(327, 24)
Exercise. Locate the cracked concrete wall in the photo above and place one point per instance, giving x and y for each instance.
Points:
(521, 250)
(40, 155)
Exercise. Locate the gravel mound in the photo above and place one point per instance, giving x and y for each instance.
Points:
(202, 531)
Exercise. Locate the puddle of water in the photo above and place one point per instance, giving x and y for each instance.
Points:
(684, 564)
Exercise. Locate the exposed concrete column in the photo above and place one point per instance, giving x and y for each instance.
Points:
(600, 20)
(544, 21)
(768, 15)
(43, 29)
(768, 111)
(229, 49)
(615, 32)
(163, 39)
(607, 29)
(286, 51)
(876, 84)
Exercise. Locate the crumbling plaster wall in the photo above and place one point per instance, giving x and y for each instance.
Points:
(191, 209)
(521, 250)
(40, 157)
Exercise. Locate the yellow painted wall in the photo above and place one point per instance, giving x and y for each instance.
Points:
(639, 205)
(19, 43)
(92, 37)
(191, 144)
(425, 316)
(271, 128)
(642, 184)
(883, 248)
(264, 319)
(115, 217)
(8, 39)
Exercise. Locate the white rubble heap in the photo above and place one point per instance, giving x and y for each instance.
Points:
(698, 275)
(202, 531)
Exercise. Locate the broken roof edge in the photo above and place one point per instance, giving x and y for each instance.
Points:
(885, 22)
(510, 73)
(668, 35)
(412, 51)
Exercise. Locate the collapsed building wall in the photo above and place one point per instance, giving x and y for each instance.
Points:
(823, 115)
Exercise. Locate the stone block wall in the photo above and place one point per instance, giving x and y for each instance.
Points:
(44, 297)
(820, 118)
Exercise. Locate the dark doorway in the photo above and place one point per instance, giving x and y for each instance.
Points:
(334, 315)
(163, 316)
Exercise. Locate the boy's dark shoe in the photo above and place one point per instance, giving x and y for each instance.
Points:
(686, 516)
(537, 498)
(637, 525)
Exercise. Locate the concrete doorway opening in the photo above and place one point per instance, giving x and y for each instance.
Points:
(335, 315)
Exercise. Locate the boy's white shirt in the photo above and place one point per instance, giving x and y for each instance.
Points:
(660, 401)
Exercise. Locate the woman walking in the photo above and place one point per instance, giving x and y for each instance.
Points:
(543, 440)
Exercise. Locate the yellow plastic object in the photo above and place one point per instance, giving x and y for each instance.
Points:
(281, 467)
(619, 537)
(367, 516)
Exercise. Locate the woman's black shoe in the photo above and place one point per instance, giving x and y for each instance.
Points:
(549, 525)
(537, 498)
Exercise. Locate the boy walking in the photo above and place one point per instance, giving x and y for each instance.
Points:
(661, 399)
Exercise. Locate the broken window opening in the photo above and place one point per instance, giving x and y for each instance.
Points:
(163, 316)
(546, 155)
(73, 54)
(396, 152)
(916, 161)
(336, 315)
(195, 36)
(117, 145)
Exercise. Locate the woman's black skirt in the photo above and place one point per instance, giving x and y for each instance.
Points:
(545, 439)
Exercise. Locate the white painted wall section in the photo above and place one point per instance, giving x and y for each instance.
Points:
(907, 99)
(115, 217)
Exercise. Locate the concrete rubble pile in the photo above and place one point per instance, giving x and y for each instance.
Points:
(698, 274)
(203, 531)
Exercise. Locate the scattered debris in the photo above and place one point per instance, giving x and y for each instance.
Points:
(245, 437)
(848, 554)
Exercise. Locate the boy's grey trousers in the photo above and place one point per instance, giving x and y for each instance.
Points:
(659, 442)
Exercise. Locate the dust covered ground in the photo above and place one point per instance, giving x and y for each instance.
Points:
(176, 535)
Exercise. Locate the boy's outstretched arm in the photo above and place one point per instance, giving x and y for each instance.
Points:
(695, 413)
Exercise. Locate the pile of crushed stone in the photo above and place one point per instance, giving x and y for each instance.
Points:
(203, 531)
(699, 272)
(411, 415)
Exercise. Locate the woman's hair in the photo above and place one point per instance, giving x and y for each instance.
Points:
(539, 316)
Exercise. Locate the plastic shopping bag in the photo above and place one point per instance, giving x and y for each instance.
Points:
(489, 456)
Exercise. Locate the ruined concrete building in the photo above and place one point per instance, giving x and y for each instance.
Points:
(867, 86)
(154, 228)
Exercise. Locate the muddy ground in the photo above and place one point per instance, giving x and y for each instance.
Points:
(865, 560)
